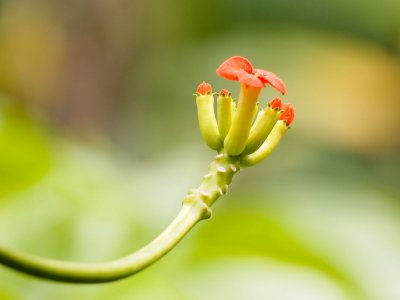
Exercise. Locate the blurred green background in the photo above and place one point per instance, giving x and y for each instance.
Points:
(99, 143)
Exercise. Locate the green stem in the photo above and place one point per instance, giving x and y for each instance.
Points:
(196, 207)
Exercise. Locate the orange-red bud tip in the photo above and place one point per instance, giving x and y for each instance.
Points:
(276, 103)
(224, 93)
(288, 113)
(204, 88)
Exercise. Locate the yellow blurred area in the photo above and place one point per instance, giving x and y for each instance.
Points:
(351, 95)
(32, 52)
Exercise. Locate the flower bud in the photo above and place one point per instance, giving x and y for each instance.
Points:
(267, 147)
(224, 109)
(264, 124)
(204, 88)
(288, 113)
(206, 116)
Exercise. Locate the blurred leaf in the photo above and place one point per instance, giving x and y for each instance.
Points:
(24, 149)
(247, 233)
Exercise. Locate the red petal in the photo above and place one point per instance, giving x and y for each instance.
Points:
(276, 103)
(230, 67)
(249, 79)
(271, 79)
(204, 88)
(288, 113)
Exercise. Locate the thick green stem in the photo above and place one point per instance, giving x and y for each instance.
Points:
(196, 207)
(215, 183)
(189, 215)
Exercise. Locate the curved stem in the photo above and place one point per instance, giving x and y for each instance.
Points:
(195, 208)
(190, 213)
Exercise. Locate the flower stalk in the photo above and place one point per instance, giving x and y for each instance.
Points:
(196, 207)
(190, 214)
(247, 106)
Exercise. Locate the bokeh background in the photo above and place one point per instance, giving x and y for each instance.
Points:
(99, 143)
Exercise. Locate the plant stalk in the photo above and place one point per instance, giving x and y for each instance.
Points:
(196, 207)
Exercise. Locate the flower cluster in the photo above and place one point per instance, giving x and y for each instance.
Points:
(242, 129)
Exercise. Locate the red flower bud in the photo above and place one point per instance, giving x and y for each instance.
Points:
(276, 103)
(204, 88)
(288, 113)
(224, 93)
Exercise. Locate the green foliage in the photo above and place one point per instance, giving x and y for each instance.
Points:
(25, 154)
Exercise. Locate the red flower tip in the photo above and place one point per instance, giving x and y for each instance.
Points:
(288, 113)
(204, 88)
(224, 93)
(276, 103)
(239, 68)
